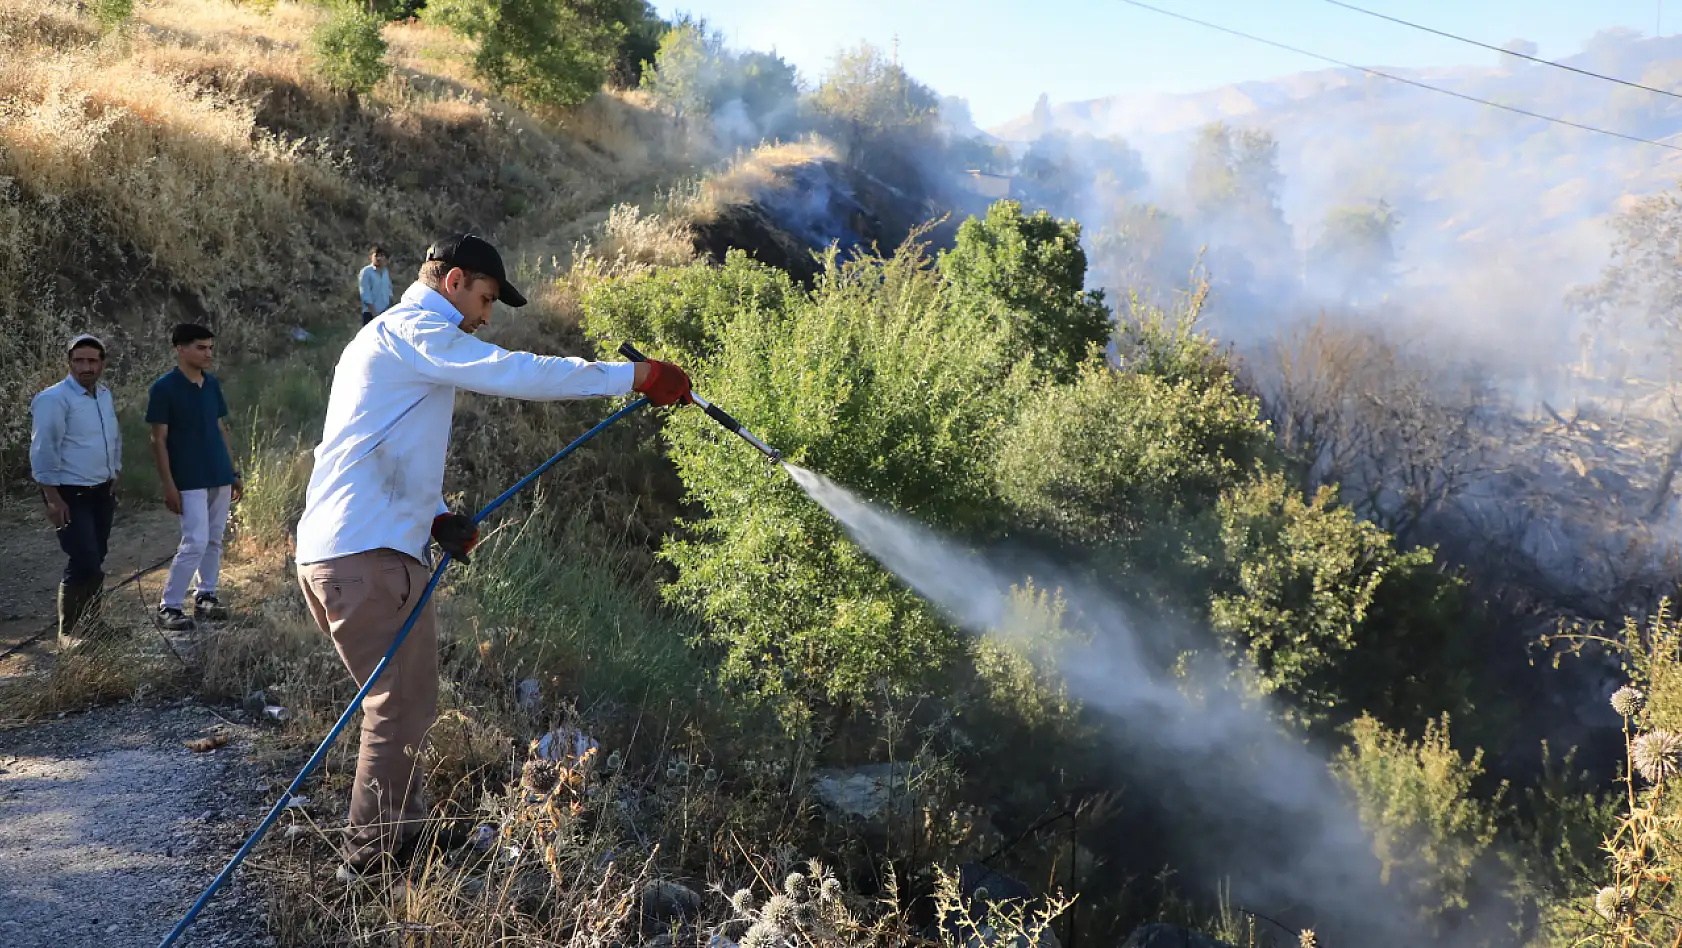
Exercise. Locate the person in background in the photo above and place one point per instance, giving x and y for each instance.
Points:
(76, 456)
(375, 500)
(374, 282)
(195, 464)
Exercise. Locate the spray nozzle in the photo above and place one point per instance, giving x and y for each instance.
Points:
(713, 411)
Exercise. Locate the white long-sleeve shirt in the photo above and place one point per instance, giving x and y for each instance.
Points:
(74, 441)
(379, 470)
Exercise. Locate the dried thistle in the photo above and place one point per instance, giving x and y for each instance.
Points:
(1613, 903)
(742, 900)
(762, 934)
(830, 890)
(778, 911)
(540, 776)
(1628, 701)
(1307, 939)
(1657, 755)
(795, 885)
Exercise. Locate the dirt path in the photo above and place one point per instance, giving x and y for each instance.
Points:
(33, 564)
(109, 825)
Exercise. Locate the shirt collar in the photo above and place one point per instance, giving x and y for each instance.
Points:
(75, 386)
(430, 299)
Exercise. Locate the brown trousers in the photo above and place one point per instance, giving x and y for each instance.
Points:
(361, 601)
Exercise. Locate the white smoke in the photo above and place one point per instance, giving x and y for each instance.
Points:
(1269, 813)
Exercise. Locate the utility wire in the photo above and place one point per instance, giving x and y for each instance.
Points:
(1498, 49)
(1395, 78)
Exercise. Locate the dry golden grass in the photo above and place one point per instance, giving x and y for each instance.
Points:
(751, 173)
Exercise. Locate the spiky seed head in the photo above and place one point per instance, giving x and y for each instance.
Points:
(615, 760)
(711, 776)
(761, 934)
(1657, 755)
(681, 768)
(806, 914)
(795, 885)
(1307, 939)
(830, 890)
(778, 911)
(540, 776)
(742, 900)
(1612, 903)
(1628, 701)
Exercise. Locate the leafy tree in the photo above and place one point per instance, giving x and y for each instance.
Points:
(868, 103)
(1635, 298)
(1068, 174)
(644, 30)
(1355, 256)
(696, 75)
(1234, 184)
(1140, 248)
(349, 49)
(545, 52)
(871, 379)
(1035, 266)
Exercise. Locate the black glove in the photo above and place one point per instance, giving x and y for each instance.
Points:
(456, 535)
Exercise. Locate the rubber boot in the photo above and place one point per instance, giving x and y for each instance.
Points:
(78, 613)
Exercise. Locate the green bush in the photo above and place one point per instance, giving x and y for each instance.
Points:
(349, 49)
(544, 52)
(1034, 265)
(112, 14)
(1301, 577)
(872, 380)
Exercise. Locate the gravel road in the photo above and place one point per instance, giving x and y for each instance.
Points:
(110, 827)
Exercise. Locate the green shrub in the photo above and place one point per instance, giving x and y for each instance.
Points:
(1126, 460)
(544, 52)
(1300, 579)
(1430, 833)
(112, 14)
(349, 49)
(1034, 265)
(873, 380)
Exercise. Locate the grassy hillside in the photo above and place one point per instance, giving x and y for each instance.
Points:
(195, 167)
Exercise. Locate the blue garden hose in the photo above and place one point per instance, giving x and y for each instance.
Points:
(344, 719)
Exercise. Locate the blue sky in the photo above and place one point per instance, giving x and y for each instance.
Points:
(1001, 54)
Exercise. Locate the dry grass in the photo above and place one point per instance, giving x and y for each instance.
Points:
(752, 173)
(198, 170)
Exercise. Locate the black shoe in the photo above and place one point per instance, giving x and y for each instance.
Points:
(173, 619)
(206, 607)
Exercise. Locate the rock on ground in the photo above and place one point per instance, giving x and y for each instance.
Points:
(110, 827)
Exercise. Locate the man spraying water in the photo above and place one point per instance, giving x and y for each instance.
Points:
(375, 498)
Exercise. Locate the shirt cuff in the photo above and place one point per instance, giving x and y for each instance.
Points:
(621, 376)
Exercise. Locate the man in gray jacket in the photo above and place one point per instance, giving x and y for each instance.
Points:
(76, 456)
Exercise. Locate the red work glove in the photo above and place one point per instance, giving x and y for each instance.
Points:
(455, 534)
(666, 384)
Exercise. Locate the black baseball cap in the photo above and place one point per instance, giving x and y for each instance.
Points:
(476, 254)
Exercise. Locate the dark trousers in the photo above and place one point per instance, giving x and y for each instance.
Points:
(85, 538)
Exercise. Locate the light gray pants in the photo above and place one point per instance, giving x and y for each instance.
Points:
(204, 518)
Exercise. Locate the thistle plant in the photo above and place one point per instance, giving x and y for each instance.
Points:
(1629, 701)
(1656, 755)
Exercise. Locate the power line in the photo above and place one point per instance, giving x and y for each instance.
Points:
(1498, 49)
(1395, 78)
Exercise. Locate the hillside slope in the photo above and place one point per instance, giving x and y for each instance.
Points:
(199, 168)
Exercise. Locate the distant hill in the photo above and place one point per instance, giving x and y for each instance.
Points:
(1517, 202)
